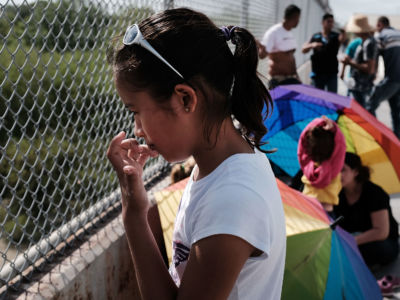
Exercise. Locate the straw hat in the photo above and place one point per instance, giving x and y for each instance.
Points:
(359, 24)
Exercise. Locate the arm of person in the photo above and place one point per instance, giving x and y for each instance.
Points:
(342, 71)
(311, 45)
(367, 67)
(213, 267)
(262, 51)
(214, 263)
(379, 230)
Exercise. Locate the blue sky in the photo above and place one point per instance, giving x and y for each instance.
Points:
(343, 9)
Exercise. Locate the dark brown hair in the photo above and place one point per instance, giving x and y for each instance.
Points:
(291, 11)
(198, 49)
(384, 20)
(320, 144)
(354, 162)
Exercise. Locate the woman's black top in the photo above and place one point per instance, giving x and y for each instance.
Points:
(357, 217)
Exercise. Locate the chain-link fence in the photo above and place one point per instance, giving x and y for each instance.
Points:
(59, 110)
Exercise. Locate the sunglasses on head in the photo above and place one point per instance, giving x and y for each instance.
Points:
(134, 36)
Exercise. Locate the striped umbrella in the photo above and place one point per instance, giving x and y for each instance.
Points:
(321, 262)
(296, 105)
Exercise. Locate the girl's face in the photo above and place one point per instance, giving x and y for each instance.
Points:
(348, 176)
(167, 129)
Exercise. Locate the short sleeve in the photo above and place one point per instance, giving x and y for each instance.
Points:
(378, 198)
(352, 47)
(370, 50)
(313, 39)
(348, 50)
(268, 40)
(235, 211)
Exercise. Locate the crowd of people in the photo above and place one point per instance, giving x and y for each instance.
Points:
(361, 55)
(336, 178)
(229, 239)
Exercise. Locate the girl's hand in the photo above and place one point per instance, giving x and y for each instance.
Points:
(328, 124)
(128, 159)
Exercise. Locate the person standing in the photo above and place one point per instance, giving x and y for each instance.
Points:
(324, 62)
(350, 52)
(229, 239)
(364, 62)
(279, 44)
(388, 40)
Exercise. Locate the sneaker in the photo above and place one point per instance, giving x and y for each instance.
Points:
(386, 288)
(395, 281)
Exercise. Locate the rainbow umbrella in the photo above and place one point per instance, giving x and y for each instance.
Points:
(296, 105)
(321, 263)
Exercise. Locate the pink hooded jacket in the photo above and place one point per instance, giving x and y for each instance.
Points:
(322, 175)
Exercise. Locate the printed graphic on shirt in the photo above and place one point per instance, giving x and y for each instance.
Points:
(181, 253)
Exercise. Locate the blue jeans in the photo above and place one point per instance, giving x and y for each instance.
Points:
(361, 97)
(325, 82)
(387, 90)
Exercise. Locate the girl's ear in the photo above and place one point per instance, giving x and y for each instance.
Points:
(187, 97)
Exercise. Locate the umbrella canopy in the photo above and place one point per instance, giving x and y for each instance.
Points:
(297, 105)
(321, 263)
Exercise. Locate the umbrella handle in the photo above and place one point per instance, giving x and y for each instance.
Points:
(336, 222)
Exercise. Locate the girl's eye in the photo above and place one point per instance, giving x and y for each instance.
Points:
(131, 111)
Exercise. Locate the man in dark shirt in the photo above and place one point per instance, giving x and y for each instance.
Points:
(324, 63)
(364, 62)
(388, 40)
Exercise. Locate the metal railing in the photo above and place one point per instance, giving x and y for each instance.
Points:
(59, 110)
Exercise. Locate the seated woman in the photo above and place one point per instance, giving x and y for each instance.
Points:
(367, 213)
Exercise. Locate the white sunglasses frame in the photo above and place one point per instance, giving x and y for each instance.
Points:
(141, 41)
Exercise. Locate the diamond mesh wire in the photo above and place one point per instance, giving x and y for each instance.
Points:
(59, 110)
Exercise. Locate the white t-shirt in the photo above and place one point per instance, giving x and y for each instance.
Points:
(240, 197)
(278, 39)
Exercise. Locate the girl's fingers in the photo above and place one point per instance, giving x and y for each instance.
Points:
(144, 149)
(142, 159)
(116, 141)
(113, 152)
(145, 153)
(128, 156)
(129, 144)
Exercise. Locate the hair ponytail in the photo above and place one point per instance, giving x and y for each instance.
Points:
(249, 94)
(196, 47)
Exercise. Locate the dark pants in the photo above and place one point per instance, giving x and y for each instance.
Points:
(387, 90)
(325, 82)
(361, 97)
(273, 83)
(382, 252)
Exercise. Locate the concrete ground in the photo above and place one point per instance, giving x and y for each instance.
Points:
(383, 115)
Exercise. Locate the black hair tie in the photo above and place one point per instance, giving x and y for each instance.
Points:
(228, 32)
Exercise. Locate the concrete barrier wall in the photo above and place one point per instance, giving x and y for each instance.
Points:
(101, 268)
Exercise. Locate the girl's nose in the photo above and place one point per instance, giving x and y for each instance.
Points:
(138, 130)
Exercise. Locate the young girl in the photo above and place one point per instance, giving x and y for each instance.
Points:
(178, 76)
(321, 152)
